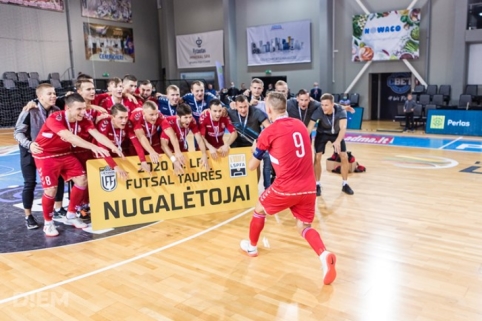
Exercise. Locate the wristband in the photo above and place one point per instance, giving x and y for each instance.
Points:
(173, 158)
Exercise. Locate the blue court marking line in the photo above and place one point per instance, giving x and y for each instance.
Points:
(458, 144)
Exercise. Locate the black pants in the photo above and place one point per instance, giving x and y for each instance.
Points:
(409, 120)
(29, 173)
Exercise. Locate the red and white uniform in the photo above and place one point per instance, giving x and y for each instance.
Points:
(213, 131)
(289, 147)
(108, 102)
(117, 136)
(181, 132)
(56, 157)
(150, 130)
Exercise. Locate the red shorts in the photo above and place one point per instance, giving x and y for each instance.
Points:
(50, 169)
(302, 205)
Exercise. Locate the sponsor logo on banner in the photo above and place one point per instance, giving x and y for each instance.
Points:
(437, 122)
(399, 83)
(162, 194)
(200, 50)
(108, 179)
(457, 123)
(237, 165)
(369, 139)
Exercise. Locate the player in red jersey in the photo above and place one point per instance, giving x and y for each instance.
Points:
(289, 147)
(182, 124)
(56, 138)
(147, 123)
(212, 125)
(129, 82)
(144, 91)
(116, 88)
(118, 128)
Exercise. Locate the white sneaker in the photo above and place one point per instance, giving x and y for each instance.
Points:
(76, 222)
(50, 229)
(328, 261)
(248, 248)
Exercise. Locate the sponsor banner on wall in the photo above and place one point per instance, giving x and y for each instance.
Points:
(143, 198)
(108, 43)
(391, 35)
(394, 90)
(55, 5)
(283, 43)
(115, 10)
(454, 122)
(200, 50)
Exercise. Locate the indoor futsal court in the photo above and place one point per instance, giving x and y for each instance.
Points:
(408, 246)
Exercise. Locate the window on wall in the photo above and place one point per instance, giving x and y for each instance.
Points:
(474, 19)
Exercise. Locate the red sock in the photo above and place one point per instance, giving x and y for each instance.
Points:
(76, 197)
(255, 228)
(48, 206)
(314, 239)
(86, 198)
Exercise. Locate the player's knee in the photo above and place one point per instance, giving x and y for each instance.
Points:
(80, 181)
(301, 226)
(51, 191)
(318, 157)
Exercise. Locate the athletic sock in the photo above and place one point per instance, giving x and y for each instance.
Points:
(47, 206)
(255, 227)
(76, 197)
(313, 238)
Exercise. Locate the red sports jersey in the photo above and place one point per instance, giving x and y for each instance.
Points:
(108, 102)
(289, 147)
(213, 131)
(91, 114)
(181, 133)
(99, 98)
(51, 143)
(118, 136)
(150, 130)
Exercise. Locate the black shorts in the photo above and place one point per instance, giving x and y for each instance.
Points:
(322, 139)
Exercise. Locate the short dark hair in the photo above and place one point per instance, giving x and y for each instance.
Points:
(79, 83)
(302, 92)
(84, 77)
(117, 108)
(214, 102)
(145, 82)
(183, 110)
(240, 99)
(327, 97)
(129, 77)
(72, 98)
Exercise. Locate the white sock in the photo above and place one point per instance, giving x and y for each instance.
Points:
(57, 209)
(318, 183)
(71, 215)
(344, 183)
(48, 222)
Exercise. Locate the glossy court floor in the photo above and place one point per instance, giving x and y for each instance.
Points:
(408, 244)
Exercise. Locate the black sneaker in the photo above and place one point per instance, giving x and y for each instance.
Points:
(346, 188)
(31, 222)
(84, 212)
(59, 216)
(318, 190)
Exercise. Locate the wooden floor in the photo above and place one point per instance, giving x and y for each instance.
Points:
(408, 244)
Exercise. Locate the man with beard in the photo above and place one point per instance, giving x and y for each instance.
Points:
(182, 124)
(302, 107)
(145, 91)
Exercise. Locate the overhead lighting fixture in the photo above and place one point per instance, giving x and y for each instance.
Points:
(480, 14)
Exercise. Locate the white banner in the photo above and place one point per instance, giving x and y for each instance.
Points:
(200, 50)
(391, 35)
(284, 43)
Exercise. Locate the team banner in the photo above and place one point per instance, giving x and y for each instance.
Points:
(55, 5)
(200, 50)
(284, 43)
(143, 198)
(115, 10)
(108, 43)
(391, 35)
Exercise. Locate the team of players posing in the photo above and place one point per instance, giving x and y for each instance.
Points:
(130, 125)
